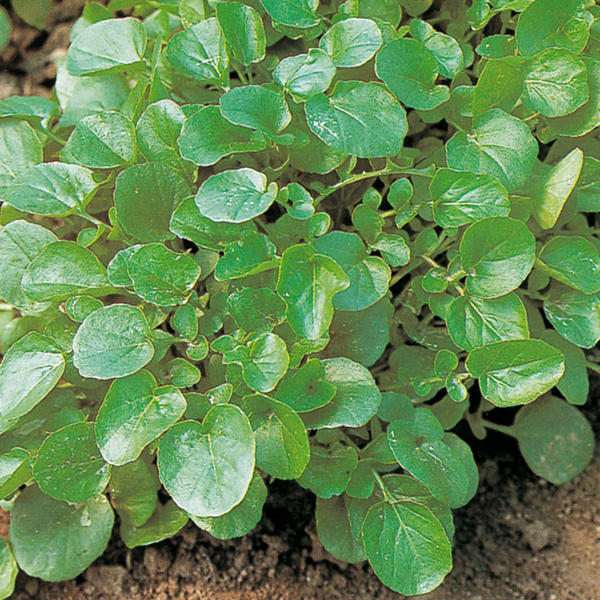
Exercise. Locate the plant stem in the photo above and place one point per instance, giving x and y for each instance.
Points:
(593, 366)
(496, 427)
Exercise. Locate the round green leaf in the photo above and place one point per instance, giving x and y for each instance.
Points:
(306, 388)
(252, 254)
(61, 269)
(293, 13)
(499, 86)
(356, 400)
(107, 46)
(161, 276)
(474, 322)
(445, 49)
(358, 118)
(235, 196)
(20, 148)
(113, 341)
(555, 439)
(51, 189)
(497, 254)
(282, 449)
(461, 198)
(165, 522)
(102, 141)
(135, 412)
(575, 316)
(69, 466)
(500, 145)
(56, 541)
(556, 83)
(207, 468)
(517, 371)
(241, 519)
(256, 310)
(305, 75)
(407, 547)
(256, 107)
(243, 29)
(182, 373)
(30, 370)
(266, 363)
(145, 197)
(8, 565)
(409, 69)
(351, 42)
(199, 52)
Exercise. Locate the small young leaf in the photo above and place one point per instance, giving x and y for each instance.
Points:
(8, 565)
(256, 310)
(164, 523)
(251, 255)
(351, 42)
(445, 49)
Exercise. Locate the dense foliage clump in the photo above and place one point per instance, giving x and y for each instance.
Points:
(264, 239)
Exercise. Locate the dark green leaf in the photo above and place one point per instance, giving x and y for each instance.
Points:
(256, 310)
(499, 86)
(445, 49)
(305, 75)
(243, 30)
(253, 254)
(306, 388)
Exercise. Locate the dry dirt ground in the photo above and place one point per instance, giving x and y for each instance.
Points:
(519, 539)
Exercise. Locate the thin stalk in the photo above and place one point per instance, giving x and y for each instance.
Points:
(496, 427)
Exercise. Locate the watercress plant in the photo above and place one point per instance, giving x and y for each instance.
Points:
(256, 240)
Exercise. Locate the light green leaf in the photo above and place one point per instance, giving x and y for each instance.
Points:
(253, 254)
(243, 30)
(106, 47)
(308, 283)
(358, 118)
(499, 86)
(293, 13)
(8, 565)
(113, 341)
(235, 196)
(517, 371)
(30, 370)
(393, 249)
(15, 470)
(555, 439)
(256, 310)
(207, 468)
(460, 198)
(20, 149)
(409, 69)
(69, 466)
(305, 75)
(351, 42)
(500, 145)
(497, 253)
(445, 49)
(135, 412)
(164, 523)
(57, 541)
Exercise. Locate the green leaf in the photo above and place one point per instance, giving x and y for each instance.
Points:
(497, 254)
(369, 277)
(107, 47)
(56, 541)
(308, 283)
(356, 400)
(161, 276)
(243, 30)
(393, 249)
(235, 196)
(241, 519)
(135, 412)
(555, 439)
(29, 107)
(185, 322)
(20, 243)
(500, 145)
(587, 188)
(305, 75)
(575, 316)
(207, 137)
(164, 523)
(256, 310)
(474, 322)
(358, 118)
(256, 107)
(102, 141)
(351, 42)
(409, 69)
(282, 449)
(145, 197)
(556, 83)
(51, 189)
(293, 13)
(329, 470)
(497, 46)
(417, 444)
(20, 148)
(574, 385)
(461, 198)
(407, 547)
(253, 254)
(445, 49)
(30, 370)
(388, 11)
(15, 470)
(200, 51)
(113, 341)
(61, 269)
(69, 466)
(551, 193)
(517, 371)
(8, 565)
(499, 86)
(335, 531)
(573, 260)
(207, 468)
(547, 24)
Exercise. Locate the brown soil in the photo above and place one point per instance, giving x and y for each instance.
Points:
(521, 538)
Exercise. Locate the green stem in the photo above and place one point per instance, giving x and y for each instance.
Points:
(496, 427)
(593, 366)
(53, 136)
(381, 485)
(404, 272)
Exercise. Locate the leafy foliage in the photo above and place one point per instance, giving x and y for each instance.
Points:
(229, 257)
